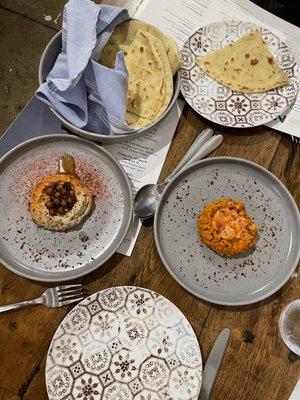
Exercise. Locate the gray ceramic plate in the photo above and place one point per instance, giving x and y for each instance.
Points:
(242, 279)
(45, 255)
(124, 343)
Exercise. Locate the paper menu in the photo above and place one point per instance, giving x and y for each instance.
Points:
(296, 392)
(180, 18)
(133, 6)
(177, 18)
(143, 159)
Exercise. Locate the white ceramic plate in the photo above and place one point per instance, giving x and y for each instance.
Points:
(245, 278)
(124, 343)
(44, 255)
(220, 104)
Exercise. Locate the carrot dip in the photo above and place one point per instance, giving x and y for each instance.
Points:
(225, 227)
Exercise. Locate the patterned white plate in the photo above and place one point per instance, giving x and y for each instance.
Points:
(218, 103)
(124, 343)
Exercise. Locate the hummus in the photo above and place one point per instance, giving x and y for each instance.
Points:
(59, 202)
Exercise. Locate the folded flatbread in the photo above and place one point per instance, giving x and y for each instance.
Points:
(150, 87)
(124, 34)
(246, 65)
(136, 121)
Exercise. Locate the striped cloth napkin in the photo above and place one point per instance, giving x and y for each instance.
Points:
(87, 94)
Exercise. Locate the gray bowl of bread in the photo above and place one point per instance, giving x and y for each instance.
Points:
(153, 64)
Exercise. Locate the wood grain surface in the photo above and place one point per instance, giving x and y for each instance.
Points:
(257, 365)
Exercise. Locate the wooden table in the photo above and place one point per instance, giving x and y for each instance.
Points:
(257, 364)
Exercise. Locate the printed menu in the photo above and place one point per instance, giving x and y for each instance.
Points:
(134, 7)
(180, 18)
(296, 392)
(143, 159)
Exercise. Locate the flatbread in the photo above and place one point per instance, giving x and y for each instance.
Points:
(158, 47)
(136, 121)
(146, 86)
(246, 65)
(173, 54)
(108, 55)
(145, 72)
(124, 34)
(126, 31)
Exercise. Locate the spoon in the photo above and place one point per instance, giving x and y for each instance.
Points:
(147, 198)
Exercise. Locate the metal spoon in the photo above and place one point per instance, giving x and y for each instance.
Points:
(147, 198)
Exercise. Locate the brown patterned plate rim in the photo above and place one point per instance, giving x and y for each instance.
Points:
(128, 304)
(218, 103)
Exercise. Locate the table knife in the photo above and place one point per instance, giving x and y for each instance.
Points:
(213, 364)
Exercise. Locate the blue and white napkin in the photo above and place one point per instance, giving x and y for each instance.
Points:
(87, 94)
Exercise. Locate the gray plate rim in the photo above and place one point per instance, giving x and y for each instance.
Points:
(98, 137)
(128, 213)
(199, 165)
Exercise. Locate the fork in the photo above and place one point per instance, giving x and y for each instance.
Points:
(296, 140)
(58, 296)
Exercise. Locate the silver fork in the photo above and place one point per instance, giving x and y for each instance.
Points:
(54, 297)
(296, 140)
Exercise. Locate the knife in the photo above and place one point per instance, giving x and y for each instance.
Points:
(213, 363)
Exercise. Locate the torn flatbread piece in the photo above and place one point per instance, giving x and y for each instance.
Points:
(150, 87)
(247, 65)
(124, 34)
